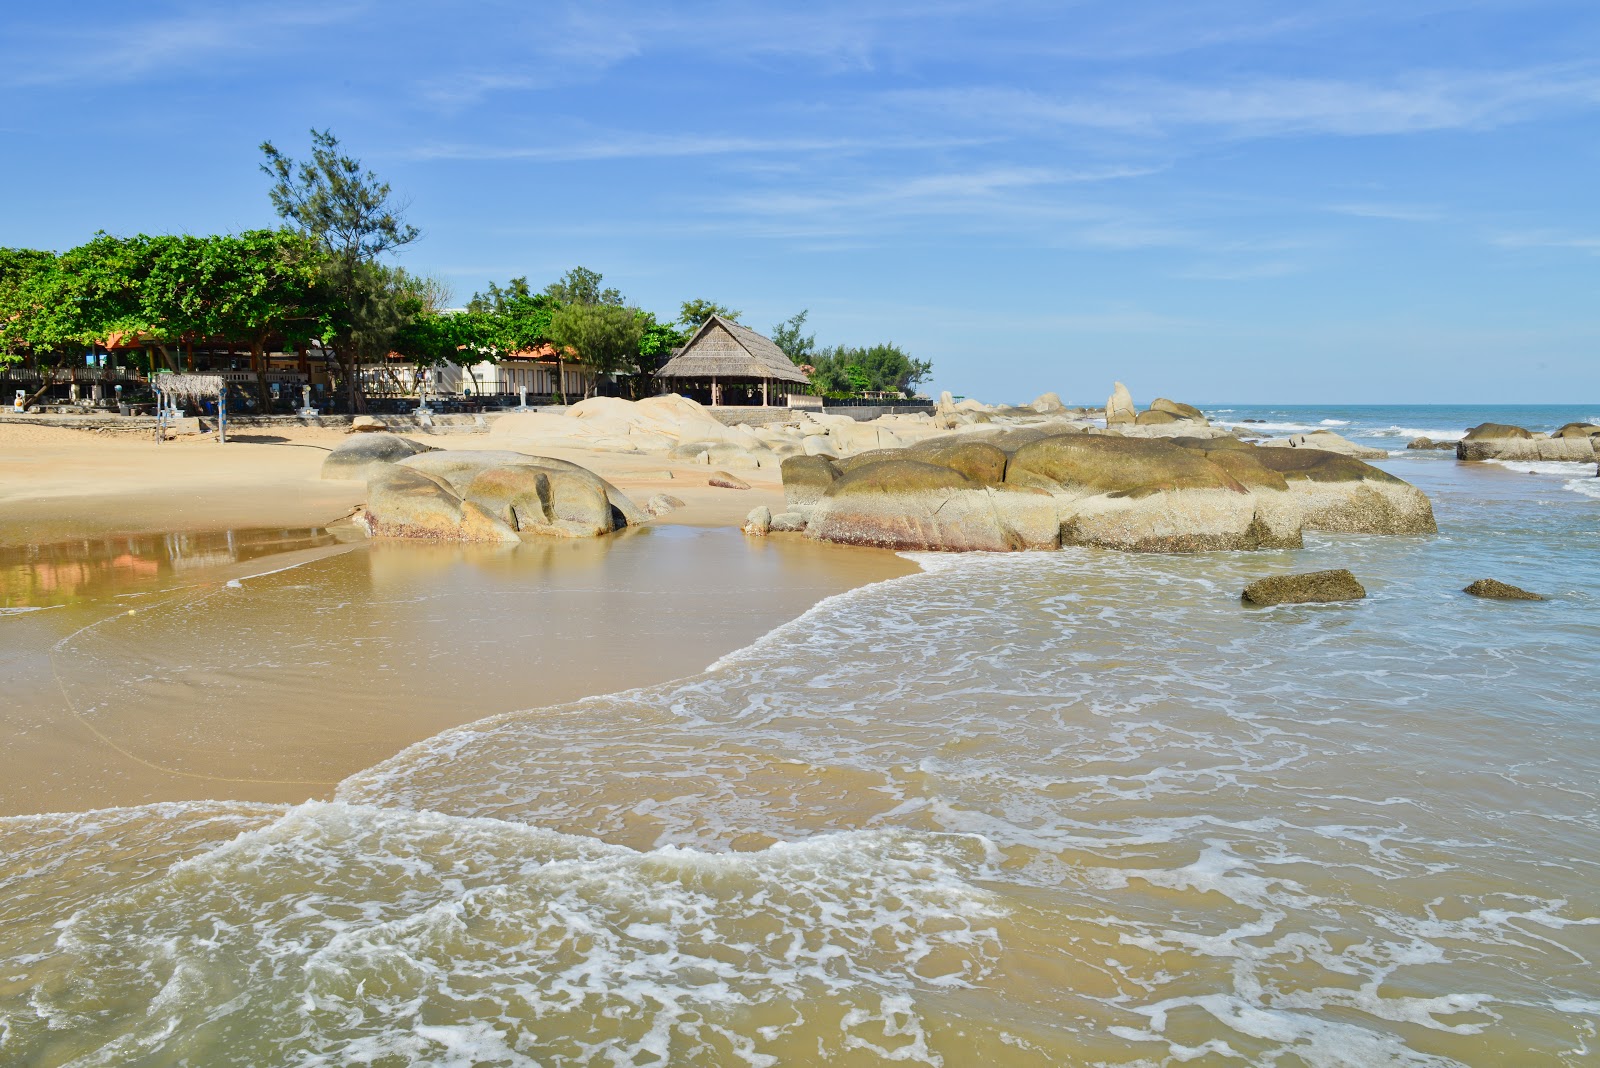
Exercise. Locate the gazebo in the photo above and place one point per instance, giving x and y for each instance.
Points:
(722, 355)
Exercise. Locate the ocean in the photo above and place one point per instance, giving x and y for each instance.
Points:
(1062, 808)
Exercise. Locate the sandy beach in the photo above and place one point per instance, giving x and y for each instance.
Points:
(184, 646)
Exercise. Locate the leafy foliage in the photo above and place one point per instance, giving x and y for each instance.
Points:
(801, 348)
(604, 336)
(843, 370)
(692, 313)
(582, 286)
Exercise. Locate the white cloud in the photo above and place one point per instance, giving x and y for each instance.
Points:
(1393, 212)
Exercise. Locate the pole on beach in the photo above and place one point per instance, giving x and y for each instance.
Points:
(222, 414)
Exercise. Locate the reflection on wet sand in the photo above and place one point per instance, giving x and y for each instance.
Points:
(267, 665)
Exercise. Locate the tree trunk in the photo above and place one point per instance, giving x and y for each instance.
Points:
(561, 377)
(258, 363)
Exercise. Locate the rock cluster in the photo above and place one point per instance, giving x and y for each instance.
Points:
(476, 496)
(1327, 441)
(1575, 442)
(1027, 488)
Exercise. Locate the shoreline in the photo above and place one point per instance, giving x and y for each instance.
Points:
(277, 659)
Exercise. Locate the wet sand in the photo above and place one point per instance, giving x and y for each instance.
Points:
(245, 652)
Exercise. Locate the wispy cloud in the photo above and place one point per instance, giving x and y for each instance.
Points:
(1267, 106)
(169, 45)
(1549, 239)
(1394, 212)
(622, 146)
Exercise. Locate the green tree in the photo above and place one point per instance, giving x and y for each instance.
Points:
(39, 319)
(801, 348)
(352, 215)
(495, 300)
(582, 286)
(693, 313)
(604, 337)
(847, 371)
(657, 342)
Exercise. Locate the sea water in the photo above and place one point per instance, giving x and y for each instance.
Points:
(1050, 808)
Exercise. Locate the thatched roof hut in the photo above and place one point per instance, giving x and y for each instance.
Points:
(723, 352)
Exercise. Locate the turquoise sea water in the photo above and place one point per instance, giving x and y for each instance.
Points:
(1060, 808)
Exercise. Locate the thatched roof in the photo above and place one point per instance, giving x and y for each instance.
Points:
(721, 348)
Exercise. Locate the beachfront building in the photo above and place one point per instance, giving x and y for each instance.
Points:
(536, 373)
(726, 363)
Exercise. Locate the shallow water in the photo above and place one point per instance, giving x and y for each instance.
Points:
(1066, 808)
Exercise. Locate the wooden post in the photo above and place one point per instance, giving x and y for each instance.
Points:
(764, 382)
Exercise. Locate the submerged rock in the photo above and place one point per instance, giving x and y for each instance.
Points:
(404, 503)
(759, 521)
(1502, 591)
(1498, 441)
(789, 522)
(1327, 441)
(1429, 443)
(1315, 587)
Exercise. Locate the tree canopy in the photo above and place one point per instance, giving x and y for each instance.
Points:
(692, 313)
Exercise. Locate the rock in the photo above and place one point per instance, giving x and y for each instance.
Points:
(805, 479)
(355, 458)
(816, 445)
(1502, 591)
(1179, 409)
(789, 522)
(947, 403)
(662, 503)
(1429, 443)
(980, 461)
(405, 503)
(1577, 430)
(723, 480)
(1327, 441)
(1497, 432)
(366, 424)
(536, 500)
(1119, 407)
(458, 467)
(909, 504)
(1341, 494)
(759, 521)
(1315, 587)
(1156, 418)
(1047, 403)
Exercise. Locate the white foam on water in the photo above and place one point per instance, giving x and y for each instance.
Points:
(1589, 487)
(25, 609)
(1560, 468)
(1335, 422)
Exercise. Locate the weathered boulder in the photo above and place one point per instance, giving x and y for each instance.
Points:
(789, 522)
(553, 501)
(1119, 406)
(662, 503)
(1576, 430)
(723, 480)
(1047, 403)
(1502, 591)
(1155, 418)
(805, 479)
(1497, 432)
(1179, 409)
(980, 461)
(1343, 495)
(1429, 443)
(357, 457)
(909, 504)
(816, 445)
(1327, 441)
(759, 521)
(1315, 587)
(405, 503)
(367, 424)
(458, 467)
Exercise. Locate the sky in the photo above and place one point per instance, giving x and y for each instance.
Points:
(1362, 201)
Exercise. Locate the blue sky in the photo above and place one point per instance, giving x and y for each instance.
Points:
(1219, 201)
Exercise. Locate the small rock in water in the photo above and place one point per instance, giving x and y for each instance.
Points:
(1502, 591)
(789, 522)
(759, 521)
(1312, 588)
(726, 481)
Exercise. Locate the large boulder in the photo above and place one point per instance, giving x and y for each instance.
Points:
(1498, 441)
(459, 467)
(1327, 441)
(909, 504)
(1343, 495)
(1316, 587)
(1497, 432)
(1576, 430)
(1119, 406)
(406, 503)
(543, 500)
(1179, 409)
(356, 458)
(1047, 403)
(806, 479)
(978, 460)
